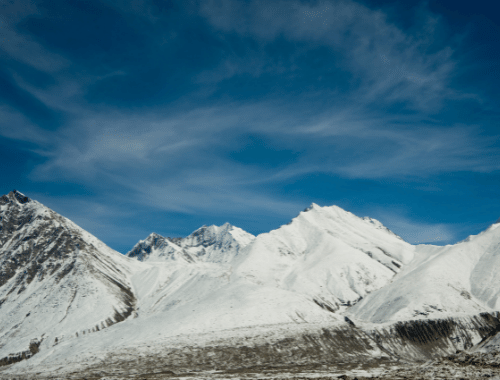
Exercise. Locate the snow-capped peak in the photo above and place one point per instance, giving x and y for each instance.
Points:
(332, 211)
(210, 235)
(207, 243)
(337, 213)
(211, 232)
(156, 246)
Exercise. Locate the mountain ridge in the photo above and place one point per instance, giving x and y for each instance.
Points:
(64, 291)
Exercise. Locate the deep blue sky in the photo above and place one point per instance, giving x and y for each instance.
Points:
(136, 116)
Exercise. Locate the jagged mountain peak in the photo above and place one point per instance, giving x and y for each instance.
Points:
(311, 206)
(334, 209)
(17, 196)
(14, 198)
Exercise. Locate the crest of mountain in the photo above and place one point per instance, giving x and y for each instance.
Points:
(217, 244)
(441, 281)
(55, 278)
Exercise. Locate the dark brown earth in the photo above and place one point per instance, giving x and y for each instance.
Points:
(463, 366)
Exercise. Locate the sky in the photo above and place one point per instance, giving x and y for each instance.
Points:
(132, 117)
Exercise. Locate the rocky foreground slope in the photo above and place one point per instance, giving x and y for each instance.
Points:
(328, 292)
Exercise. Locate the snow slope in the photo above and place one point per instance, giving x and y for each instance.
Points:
(441, 281)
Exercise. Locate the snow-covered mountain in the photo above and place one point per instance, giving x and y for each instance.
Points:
(55, 278)
(327, 254)
(65, 294)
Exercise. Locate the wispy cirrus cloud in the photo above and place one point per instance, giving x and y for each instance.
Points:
(175, 154)
(224, 107)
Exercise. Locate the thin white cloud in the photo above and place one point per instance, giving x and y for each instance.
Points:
(425, 151)
(347, 143)
(219, 197)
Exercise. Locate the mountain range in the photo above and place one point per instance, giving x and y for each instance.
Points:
(329, 283)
